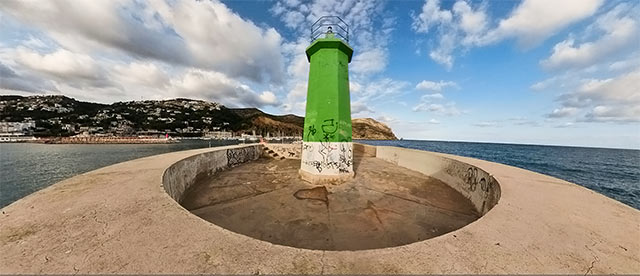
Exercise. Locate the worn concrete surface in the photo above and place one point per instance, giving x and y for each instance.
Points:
(384, 205)
(119, 219)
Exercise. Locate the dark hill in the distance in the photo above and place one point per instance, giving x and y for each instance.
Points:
(61, 115)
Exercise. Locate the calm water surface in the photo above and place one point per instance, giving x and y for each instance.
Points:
(26, 168)
(612, 172)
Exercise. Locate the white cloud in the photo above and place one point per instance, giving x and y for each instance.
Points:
(61, 63)
(386, 119)
(466, 26)
(562, 112)
(217, 87)
(17, 82)
(79, 70)
(143, 73)
(254, 54)
(524, 122)
(173, 33)
(436, 96)
(626, 64)
(296, 98)
(470, 21)
(566, 125)
(35, 43)
(354, 87)
(602, 113)
(360, 109)
(435, 86)
(620, 30)
(369, 62)
(533, 21)
(433, 122)
(542, 85)
(622, 89)
(431, 102)
(598, 69)
(268, 98)
(486, 124)
(430, 15)
(459, 27)
(448, 109)
(128, 50)
(382, 88)
(606, 100)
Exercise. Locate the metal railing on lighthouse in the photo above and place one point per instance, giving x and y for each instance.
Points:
(330, 24)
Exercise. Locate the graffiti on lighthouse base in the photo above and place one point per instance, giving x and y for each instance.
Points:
(327, 157)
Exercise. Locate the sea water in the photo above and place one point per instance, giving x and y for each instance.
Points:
(26, 168)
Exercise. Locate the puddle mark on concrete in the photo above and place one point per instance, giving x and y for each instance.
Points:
(316, 193)
(235, 199)
(426, 203)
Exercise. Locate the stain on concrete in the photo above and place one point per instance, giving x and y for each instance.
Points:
(17, 234)
(317, 193)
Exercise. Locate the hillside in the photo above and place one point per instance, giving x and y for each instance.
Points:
(64, 116)
(371, 129)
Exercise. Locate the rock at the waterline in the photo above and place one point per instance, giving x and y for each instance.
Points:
(367, 128)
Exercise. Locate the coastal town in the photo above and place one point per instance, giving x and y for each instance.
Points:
(65, 119)
(61, 119)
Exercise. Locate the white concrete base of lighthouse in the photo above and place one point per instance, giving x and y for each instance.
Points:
(326, 161)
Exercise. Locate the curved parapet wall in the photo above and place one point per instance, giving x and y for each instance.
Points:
(474, 183)
(182, 174)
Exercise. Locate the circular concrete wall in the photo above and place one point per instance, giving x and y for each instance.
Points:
(387, 204)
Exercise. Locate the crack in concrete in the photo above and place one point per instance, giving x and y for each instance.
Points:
(331, 240)
(372, 207)
(322, 262)
(595, 259)
(591, 266)
(235, 199)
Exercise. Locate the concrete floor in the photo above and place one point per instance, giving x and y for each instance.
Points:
(383, 206)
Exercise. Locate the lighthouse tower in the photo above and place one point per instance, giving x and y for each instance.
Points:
(327, 151)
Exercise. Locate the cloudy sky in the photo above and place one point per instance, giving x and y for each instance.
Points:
(542, 72)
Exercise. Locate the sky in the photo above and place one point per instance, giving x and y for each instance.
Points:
(531, 72)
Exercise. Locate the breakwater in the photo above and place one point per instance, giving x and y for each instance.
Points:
(105, 140)
(123, 219)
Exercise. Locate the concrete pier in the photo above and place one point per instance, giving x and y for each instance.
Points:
(126, 218)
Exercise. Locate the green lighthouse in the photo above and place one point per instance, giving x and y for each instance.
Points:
(327, 151)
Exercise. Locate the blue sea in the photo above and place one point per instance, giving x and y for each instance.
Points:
(26, 168)
(612, 172)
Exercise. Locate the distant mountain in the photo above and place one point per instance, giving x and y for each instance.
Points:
(61, 115)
